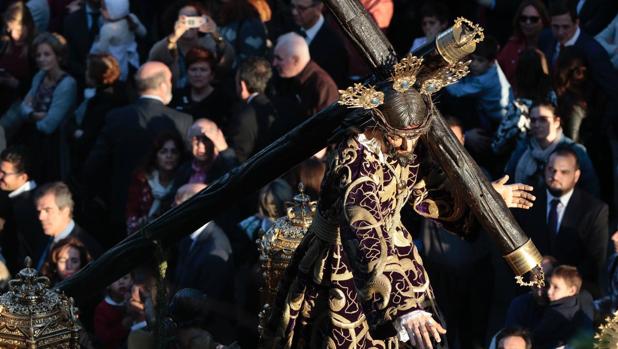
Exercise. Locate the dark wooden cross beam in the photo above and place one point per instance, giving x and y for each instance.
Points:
(331, 125)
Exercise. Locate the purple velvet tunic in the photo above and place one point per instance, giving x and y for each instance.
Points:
(357, 269)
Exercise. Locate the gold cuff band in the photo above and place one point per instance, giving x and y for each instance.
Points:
(524, 259)
(459, 40)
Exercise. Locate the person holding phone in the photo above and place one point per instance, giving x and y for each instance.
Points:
(193, 27)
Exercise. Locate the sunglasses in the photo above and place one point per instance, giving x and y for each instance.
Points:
(529, 19)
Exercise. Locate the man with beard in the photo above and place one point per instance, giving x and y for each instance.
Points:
(356, 279)
(567, 222)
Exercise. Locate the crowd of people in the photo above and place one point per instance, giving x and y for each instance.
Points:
(112, 112)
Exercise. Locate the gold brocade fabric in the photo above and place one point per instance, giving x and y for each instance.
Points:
(345, 291)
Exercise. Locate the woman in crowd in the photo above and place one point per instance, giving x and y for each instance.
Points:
(104, 93)
(530, 19)
(46, 106)
(200, 98)
(528, 160)
(117, 35)
(66, 258)
(532, 84)
(15, 65)
(173, 49)
(577, 96)
(151, 192)
(272, 199)
(242, 27)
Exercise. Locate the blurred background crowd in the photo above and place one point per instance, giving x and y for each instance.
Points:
(112, 112)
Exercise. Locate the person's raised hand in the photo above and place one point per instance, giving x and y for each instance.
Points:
(180, 27)
(514, 195)
(209, 26)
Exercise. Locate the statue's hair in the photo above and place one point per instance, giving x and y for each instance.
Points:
(404, 113)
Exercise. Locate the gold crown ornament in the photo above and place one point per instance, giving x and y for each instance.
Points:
(404, 73)
(361, 96)
(444, 77)
(607, 335)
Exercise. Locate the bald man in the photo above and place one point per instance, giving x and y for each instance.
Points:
(126, 138)
(303, 88)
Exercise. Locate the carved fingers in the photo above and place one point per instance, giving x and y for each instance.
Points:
(423, 330)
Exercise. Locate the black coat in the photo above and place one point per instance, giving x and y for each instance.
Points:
(249, 129)
(125, 140)
(562, 321)
(23, 231)
(208, 265)
(76, 32)
(582, 236)
(327, 49)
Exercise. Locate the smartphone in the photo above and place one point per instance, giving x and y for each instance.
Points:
(194, 21)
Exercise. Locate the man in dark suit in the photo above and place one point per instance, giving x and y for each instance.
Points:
(22, 235)
(302, 87)
(567, 222)
(249, 129)
(325, 45)
(567, 32)
(54, 204)
(127, 136)
(80, 28)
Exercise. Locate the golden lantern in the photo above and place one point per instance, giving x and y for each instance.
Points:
(277, 246)
(34, 316)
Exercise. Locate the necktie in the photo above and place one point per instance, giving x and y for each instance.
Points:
(552, 218)
(44, 255)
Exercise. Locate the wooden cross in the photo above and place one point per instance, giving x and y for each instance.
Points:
(328, 126)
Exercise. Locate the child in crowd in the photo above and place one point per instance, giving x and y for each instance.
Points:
(434, 20)
(117, 35)
(563, 320)
(111, 321)
(487, 84)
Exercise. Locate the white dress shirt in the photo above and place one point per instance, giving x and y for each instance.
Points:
(313, 31)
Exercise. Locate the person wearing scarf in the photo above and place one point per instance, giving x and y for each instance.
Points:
(528, 160)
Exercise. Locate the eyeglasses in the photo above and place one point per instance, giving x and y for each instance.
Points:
(529, 19)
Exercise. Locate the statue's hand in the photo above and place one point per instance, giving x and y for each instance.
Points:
(514, 195)
(423, 330)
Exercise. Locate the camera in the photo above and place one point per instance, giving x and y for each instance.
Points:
(194, 21)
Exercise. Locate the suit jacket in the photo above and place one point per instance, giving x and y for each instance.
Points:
(595, 15)
(92, 245)
(328, 51)
(124, 141)
(79, 40)
(23, 231)
(599, 65)
(207, 266)
(582, 237)
(249, 129)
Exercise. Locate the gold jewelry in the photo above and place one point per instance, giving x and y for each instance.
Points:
(404, 74)
(444, 77)
(360, 96)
